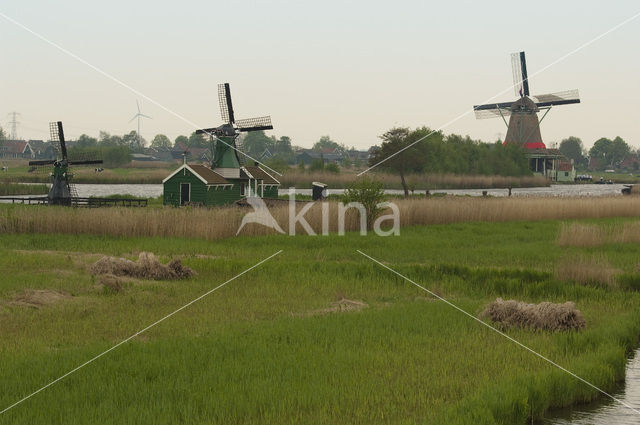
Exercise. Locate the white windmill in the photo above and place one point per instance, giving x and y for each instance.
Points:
(139, 116)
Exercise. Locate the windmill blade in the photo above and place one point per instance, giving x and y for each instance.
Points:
(86, 162)
(209, 131)
(138, 105)
(42, 162)
(226, 108)
(492, 110)
(482, 114)
(57, 138)
(254, 124)
(134, 117)
(560, 98)
(516, 69)
(145, 116)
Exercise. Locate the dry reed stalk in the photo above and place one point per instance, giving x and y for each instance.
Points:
(590, 235)
(587, 270)
(217, 223)
(544, 316)
(582, 235)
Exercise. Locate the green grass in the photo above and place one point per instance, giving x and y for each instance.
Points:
(8, 189)
(254, 352)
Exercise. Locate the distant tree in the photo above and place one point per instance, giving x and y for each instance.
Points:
(600, 150)
(197, 141)
(116, 156)
(184, 140)
(610, 152)
(396, 159)
(107, 140)
(133, 141)
(255, 143)
(85, 141)
(301, 166)
(283, 145)
(619, 151)
(161, 142)
(2, 135)
(572, 148)
(324, 143)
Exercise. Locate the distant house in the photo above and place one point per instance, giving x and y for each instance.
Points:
(308, 155)
(355, 155)
(631, 162)
(193, 154)
(16, 149)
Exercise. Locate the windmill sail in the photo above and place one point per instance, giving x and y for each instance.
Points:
(226, 108)
(560, 98)
(57, 138)
(482, 114)
(520, 77)
(253, 124)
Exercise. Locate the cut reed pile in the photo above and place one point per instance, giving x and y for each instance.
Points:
(219, 223)
(590, 235)
(544, 316)
(296, 178)
(147, 267)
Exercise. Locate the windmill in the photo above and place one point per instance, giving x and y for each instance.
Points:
(524, 127)
(139, 116)
(62, 191)
(225, 149)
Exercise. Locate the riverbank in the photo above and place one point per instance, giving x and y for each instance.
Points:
(318, 334)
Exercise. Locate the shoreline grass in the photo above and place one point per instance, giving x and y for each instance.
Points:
(250, 354)
(8, 189)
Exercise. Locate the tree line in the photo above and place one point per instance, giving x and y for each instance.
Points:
(604, 154)
(404, 151)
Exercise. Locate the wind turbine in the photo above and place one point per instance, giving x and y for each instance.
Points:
(139, 116)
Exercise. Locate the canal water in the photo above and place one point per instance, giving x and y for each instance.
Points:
(606, 411)
(155, 190)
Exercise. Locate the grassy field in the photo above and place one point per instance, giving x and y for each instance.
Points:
(269, 347)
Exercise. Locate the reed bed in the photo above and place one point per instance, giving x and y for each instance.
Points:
(587, 270)
(299, 179)
(591, 235)
(217, 223)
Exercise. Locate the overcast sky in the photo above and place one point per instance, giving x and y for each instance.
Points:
(347, 69)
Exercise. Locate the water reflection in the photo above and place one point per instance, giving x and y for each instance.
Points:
(155, 190)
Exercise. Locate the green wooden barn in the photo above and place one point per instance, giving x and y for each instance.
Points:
(200, 185)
